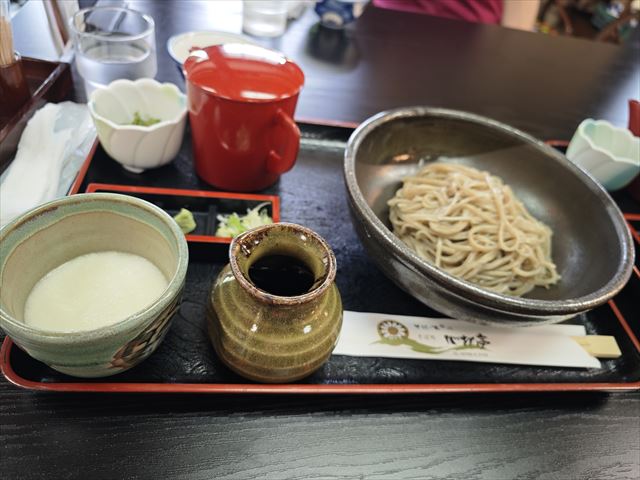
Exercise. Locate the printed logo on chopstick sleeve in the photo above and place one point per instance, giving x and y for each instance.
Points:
(394, 333)
(369, 334)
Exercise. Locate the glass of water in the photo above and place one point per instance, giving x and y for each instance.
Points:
(264, 18)
(113, 43)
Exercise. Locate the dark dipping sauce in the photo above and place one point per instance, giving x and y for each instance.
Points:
(281, 275)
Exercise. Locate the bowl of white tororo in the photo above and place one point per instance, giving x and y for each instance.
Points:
(89, 283)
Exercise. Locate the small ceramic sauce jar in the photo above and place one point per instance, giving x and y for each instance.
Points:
(270, 337)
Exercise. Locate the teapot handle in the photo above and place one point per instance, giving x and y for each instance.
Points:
(288, 134)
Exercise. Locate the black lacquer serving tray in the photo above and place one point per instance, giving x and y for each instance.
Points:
(313, 195)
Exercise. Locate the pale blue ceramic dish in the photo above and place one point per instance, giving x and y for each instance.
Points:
(610, 154)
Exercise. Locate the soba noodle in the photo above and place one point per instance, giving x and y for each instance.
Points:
(468, 223)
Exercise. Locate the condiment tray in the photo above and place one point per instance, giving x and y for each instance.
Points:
(204, 205)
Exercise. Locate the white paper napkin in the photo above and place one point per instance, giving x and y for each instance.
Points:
(51, 150)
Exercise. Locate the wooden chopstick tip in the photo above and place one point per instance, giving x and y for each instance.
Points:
(599, 346)
(7, 54)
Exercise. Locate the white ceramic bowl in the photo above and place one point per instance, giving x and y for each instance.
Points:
(138, 147)
(609, 153)
(179, 45)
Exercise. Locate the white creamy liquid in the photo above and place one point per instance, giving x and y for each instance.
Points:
(92, 291)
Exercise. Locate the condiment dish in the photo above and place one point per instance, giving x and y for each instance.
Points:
(610, 154)
(139, 147)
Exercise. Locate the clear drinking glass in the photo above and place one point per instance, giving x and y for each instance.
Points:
(264, 18)
(113, 43)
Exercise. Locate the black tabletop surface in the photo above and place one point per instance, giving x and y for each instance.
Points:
(544, 85)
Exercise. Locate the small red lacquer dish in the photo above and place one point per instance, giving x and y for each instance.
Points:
(204, 205)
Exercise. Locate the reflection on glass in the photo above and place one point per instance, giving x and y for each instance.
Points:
(113, 43)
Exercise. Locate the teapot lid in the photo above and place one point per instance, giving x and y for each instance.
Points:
(243, 72)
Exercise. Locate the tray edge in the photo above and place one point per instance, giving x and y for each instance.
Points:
(297, 389)
(348, 389)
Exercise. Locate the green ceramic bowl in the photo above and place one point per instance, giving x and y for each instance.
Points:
(56, 232)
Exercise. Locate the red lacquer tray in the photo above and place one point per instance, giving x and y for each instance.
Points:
(235, 388)
(313, 194)
(48, 82)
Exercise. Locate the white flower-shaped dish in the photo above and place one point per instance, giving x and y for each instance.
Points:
(138, 147)
(610, 154)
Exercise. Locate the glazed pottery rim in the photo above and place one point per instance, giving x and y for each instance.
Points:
(138, 84)
(208, 91)
(174, 284)
(247, 285)
(462, 288)
(625, 132)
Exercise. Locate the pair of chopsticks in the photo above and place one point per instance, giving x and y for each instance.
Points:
(599, 346)
(7, 55)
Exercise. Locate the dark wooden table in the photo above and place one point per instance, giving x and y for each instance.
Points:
(544, 85)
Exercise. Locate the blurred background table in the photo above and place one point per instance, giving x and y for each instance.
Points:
(542, 84)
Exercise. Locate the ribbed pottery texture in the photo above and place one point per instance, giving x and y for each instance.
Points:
(274, 339)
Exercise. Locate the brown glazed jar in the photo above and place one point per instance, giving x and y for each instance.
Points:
(275, 338)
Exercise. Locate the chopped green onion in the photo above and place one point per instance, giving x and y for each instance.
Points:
(138, 120)
(233, 225)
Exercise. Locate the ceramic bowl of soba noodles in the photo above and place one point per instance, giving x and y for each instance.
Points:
(89, 283)
(481, 221)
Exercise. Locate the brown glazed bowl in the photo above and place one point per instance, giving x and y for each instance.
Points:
(592, 246)
(271, 338)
